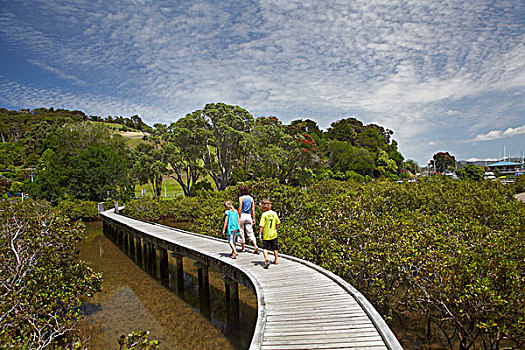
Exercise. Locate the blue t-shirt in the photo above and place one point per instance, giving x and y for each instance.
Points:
(247, 204)
(233, 221)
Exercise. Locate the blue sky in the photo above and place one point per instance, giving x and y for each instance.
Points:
(443, 75)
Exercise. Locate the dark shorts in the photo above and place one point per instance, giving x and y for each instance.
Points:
(272, 244)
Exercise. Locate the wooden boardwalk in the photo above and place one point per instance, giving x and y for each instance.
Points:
(300, 305)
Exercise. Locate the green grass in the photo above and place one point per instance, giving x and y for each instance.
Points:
(173, 189)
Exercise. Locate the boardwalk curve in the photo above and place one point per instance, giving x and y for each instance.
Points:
(300, 305)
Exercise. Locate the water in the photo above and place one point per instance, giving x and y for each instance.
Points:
(133, 300)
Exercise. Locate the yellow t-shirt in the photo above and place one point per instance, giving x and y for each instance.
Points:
(269, 222)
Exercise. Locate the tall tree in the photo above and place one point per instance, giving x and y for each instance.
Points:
(100, 173)
(184, 151)
(227, 127)
(443, 161)
(149, 166)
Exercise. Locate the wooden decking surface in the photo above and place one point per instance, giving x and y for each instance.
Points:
(303, 307)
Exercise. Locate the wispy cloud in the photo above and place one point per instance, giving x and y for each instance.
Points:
(59, 73)
(423, 69)
(499, 134)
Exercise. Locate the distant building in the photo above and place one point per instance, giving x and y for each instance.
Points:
(507, 170)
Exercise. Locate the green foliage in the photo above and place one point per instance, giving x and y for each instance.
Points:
(472, 172)
(519, 184)
(41, 278)
(184, 151)
(76, 209)
(99, 173)
(443, 161)
(344, 157)
(226, 128)
(149, 166)
(154, 209)
(51, 180)
(137, 341)
(451, 251)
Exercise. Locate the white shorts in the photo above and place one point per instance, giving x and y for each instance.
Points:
(246, 225)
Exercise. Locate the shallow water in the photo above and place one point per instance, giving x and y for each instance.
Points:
(133, 300)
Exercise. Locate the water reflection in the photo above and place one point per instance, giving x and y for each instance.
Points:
(132, 300)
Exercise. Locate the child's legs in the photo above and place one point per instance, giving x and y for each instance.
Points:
(231, 242)
(275, 255)
(265, 254)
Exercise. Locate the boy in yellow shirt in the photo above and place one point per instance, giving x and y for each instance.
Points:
(268, 231)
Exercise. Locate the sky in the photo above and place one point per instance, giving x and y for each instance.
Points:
(443, 75)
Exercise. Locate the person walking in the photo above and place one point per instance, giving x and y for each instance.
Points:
(231, 224)
(247, 218)
(268, 231)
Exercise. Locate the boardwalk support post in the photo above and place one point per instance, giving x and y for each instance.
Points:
(232, 305)
(138, 251)
(204, 289)
(164, 267)
(179, 272)
(132, 246)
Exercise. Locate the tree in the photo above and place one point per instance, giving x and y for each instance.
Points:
(411, 166)
(41, 279)
(385, 165)
(68, 166)
(51, 178)
(100, 173)
(149, 166)
(345, 130)
(227, 126)
(443, 161)
(344, 157)
(472, 172)
(184, 151)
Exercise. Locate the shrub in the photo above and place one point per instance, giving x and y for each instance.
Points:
(41, 279)
(76, 209)
(519, 184)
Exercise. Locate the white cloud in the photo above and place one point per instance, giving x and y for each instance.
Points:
(498, 134)
(59, 73)
(401, 65)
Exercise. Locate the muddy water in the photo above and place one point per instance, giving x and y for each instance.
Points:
(133, 300)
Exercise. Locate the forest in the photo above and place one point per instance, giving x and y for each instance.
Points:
(59, 154)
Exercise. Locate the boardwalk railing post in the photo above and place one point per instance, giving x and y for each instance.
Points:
(204, 289)
(232, 305)
(179, 272)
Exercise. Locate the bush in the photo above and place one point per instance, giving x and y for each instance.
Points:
(76, 209)
(450, 251)
(41, 278)
(519, 184)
